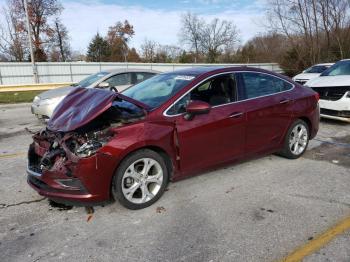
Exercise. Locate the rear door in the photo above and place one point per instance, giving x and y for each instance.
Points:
(212, 138)
(268, 105)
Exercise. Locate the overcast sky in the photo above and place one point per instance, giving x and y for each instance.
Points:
(157, 20)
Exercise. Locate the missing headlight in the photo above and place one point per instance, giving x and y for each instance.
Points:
(88, 149)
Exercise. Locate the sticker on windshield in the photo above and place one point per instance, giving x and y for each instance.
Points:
(186, 78)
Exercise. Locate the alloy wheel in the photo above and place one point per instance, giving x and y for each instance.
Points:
(298, 139)
(142, 180)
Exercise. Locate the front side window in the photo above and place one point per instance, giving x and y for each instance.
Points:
(91, 79)
(215, 91)
(259, 84)
(119, 80)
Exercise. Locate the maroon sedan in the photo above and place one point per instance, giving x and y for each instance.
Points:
(101, 144)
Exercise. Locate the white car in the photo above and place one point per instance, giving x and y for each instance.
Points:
(116, 79)
(312, 72)
(333, 86)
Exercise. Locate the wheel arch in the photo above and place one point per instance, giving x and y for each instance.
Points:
(307, 121)
(168, 160)
(161, 151)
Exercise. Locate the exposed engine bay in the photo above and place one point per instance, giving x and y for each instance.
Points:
(51, 148)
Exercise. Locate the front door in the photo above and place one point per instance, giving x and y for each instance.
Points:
(215, 137)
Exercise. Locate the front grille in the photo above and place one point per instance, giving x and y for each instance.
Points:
(37, 182)
(33, 160)
(35, 169)
(330, 112)
(332, 93)
(300, 81)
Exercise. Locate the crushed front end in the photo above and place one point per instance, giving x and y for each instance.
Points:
(70, 166)
(70, 160)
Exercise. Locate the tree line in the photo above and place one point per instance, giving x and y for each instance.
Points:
(49, 35)
(298, 33)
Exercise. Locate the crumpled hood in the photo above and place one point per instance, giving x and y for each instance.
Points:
(342, 80)
(57, 92)
(80, 107)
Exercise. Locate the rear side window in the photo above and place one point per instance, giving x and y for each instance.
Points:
(259, 84)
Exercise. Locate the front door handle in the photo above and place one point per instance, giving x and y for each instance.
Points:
(236, 115)
(284, 101)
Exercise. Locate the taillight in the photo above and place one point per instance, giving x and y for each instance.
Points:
(317, 96)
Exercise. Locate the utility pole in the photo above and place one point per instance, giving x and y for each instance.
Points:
(35, 74)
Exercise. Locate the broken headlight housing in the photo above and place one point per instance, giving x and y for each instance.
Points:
(88, 144)
(88, 149)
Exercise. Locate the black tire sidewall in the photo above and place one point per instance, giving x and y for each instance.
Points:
(286, 149)
(118, 176)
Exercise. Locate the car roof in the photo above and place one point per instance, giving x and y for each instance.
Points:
(324, 64)
(196, 71)
(130, 70)
(202, 70)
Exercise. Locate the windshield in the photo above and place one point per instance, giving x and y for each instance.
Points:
(339, 68)
(91, 79)
(158, 89)
(316, 69)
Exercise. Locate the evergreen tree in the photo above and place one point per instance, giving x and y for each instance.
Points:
(98, 50)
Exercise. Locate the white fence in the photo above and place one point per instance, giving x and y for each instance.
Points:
(22, 73)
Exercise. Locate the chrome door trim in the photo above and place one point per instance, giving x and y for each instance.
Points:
(225, 73)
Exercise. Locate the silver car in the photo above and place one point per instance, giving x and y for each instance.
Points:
(117, 80)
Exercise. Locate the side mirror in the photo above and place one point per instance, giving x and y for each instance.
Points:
(103, 85)
(196, 108)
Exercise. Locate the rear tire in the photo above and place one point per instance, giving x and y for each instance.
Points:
(140, 179)
(296, 140)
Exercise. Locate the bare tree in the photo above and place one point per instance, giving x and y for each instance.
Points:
(191, 30)
(318, 30)
(211, 39)
(149, 50)
(167, 53)
(41, 12)
(60, 40)
(217, 35)
(12, 39)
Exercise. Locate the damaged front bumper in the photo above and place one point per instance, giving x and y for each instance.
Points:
(83, 180)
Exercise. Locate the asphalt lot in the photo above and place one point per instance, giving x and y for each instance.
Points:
(259, 210)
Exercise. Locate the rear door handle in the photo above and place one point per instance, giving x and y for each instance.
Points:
(236, 115)
(284, 101)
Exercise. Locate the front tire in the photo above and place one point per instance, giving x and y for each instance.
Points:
(296, 140)
(140, 179)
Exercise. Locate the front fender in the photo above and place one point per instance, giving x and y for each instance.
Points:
(133, 137)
